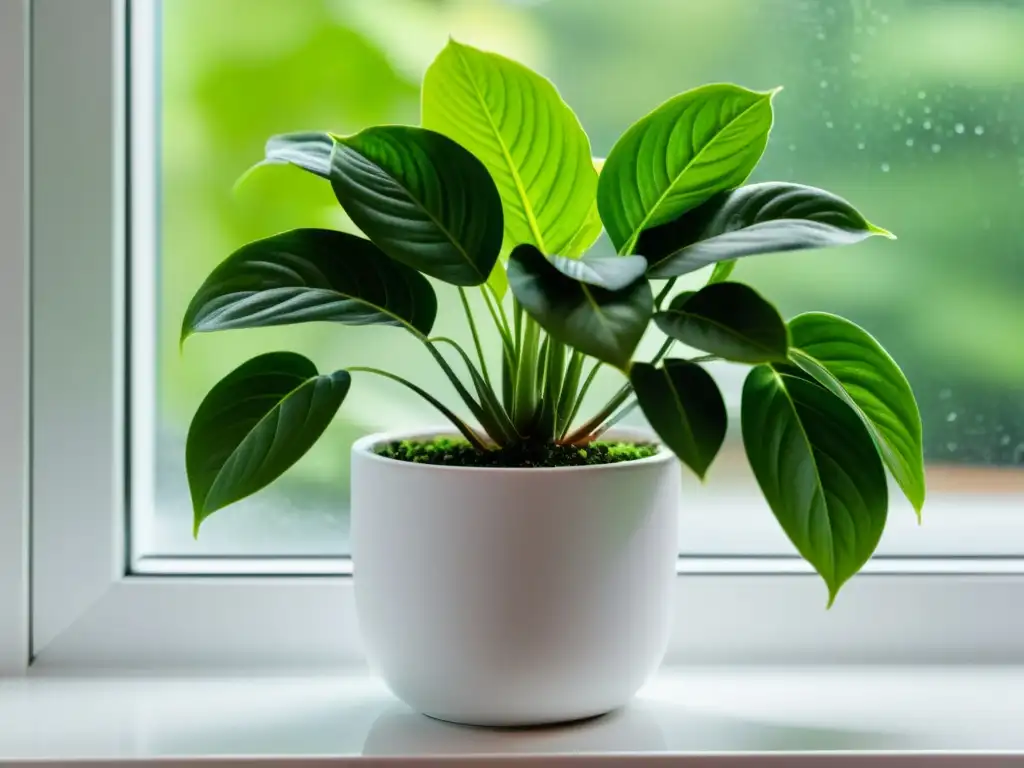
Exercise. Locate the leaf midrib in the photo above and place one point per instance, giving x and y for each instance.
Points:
(520, 189)
(635, 234)
(422, 207)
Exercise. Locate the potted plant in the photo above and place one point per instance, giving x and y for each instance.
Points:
(517, 566)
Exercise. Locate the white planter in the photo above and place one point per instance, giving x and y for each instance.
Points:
(514, 596)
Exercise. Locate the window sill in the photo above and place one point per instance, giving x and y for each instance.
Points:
(705, 716)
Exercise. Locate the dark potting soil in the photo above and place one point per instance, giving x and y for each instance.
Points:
(452, 452)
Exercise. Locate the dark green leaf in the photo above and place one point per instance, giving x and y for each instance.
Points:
(610, 272)
(691, 147)
(307, 275)
(848, 361)
(758, 218)
(423, 199)
(256, 423)
(730, 320)
(684, 406)
(530, 141)
(819, 470)
(604, 324)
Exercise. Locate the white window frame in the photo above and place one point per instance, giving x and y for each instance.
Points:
(88, 611)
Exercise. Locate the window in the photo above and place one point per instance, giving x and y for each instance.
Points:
(905, 147)
(910, 108)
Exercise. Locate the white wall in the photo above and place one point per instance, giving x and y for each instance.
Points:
(14, 420)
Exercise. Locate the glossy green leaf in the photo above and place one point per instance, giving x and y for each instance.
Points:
(730, 320)
(423, 199)
(605, 324)
(610, 272)
(256, 423)
(309, 150)
(691, 147)
(683, 405)
(818, 469)
(758, 218)
(591, 228)
(848, 361)
(308, 275)
(530, 141)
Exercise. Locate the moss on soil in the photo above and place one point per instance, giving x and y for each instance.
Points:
(451, 452)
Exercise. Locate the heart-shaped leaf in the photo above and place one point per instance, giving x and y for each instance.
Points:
(609, 272)
(308, 275)
(309, 150)
(423, 199)
(730, 320)
(819, 470)
(256, 423)
(848, 361)
(604, 324)
(684, 406)
(530, 141)
(758, 218)
(694, 145)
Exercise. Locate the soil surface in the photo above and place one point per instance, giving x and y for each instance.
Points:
(449, 452)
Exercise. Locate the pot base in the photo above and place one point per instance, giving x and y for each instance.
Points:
(504, 723)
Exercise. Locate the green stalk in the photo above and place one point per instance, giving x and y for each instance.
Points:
(664, 292)
(524, 406)
(567, 397)
(583, 433)
(494, 418)
(553, 382)
(467, 432)
(476, 335)
(581, 396)
(615, 419)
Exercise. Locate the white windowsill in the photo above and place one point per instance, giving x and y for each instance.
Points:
(688, 716)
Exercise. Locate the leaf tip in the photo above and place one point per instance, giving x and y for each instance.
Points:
(881, 232)
(237, 186)
(775, 91)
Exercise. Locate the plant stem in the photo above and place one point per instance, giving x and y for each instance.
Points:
(629, 408)
(525, 402)
(497, 311)
(567, 397)
(583, 433)
(663, 351)
(493, 417)
(581, 396)
(474, 439)
(476, 335)
(663, 294)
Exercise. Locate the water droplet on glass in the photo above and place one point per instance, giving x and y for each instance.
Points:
(860, 145)
(855, 58)
(910, 142)
(792, 147)
(945, 394)
(885, 167)
(1004, 440)
(927, 110)
(922, 95)
(959, 127)
(823, 84)
(951, 447)
(936, 148)
(821, 35)
(884, 18)
(951, 417)
(979, 129)
(927, 125)
(829, 124)
(910, 121)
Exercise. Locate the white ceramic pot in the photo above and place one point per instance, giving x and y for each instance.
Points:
(514, 596)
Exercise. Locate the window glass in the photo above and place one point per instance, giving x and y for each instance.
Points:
(912, 109)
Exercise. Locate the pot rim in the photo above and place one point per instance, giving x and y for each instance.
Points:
(364, 447)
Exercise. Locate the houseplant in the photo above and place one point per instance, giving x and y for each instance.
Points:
(517, 567)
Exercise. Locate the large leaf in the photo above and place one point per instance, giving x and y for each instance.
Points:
(423, 199)
(684, 406)
(758, 218)
(592, 226)
(610, 272)
(307, 275)
(256, 423)
(691, 147)
(730, 320)
(818, 469)
(847, 360)
(531, 142)
(604, 324)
